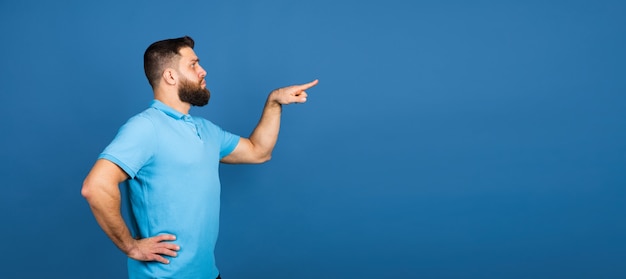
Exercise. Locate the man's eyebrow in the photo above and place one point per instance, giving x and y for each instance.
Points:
(195, 60)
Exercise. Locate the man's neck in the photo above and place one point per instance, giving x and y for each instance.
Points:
(172, 100)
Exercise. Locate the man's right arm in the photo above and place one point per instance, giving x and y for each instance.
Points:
(101, 189)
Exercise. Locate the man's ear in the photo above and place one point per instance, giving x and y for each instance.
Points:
(170, 76)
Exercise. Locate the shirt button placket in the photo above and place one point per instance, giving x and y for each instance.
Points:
(189, 121)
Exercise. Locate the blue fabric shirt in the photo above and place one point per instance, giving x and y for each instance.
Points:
(172, 160)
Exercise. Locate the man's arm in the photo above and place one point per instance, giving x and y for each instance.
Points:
(258, 148)
(101, 189)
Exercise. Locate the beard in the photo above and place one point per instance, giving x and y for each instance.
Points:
(193, 93)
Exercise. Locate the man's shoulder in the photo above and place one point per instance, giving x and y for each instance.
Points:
(144, 118)
(147, 114)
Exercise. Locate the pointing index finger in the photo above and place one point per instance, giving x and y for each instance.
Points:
(308, 85)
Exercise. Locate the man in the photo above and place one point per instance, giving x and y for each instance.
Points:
(169, 162)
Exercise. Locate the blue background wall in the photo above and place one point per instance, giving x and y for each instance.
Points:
(446, 139)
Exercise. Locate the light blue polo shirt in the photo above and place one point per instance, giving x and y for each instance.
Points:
(172, 160)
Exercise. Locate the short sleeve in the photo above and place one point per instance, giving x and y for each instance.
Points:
(228, 142)
(133, 146)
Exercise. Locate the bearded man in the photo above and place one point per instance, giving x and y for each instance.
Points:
(168, 161)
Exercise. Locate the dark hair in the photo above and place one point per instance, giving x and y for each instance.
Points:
(160, 55)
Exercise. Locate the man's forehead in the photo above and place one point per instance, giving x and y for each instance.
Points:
(188, 54)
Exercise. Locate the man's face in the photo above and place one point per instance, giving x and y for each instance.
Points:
(192, 85)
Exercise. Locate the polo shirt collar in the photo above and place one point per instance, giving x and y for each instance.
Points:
(167, 110)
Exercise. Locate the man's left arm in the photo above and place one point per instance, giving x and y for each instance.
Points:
(258, 148)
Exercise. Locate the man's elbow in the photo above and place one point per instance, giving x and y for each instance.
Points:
(266, 158)
(263, 158)
(87, 190)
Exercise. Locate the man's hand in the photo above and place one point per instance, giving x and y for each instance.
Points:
(291, 94)
(152, 248)
(258, 147)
